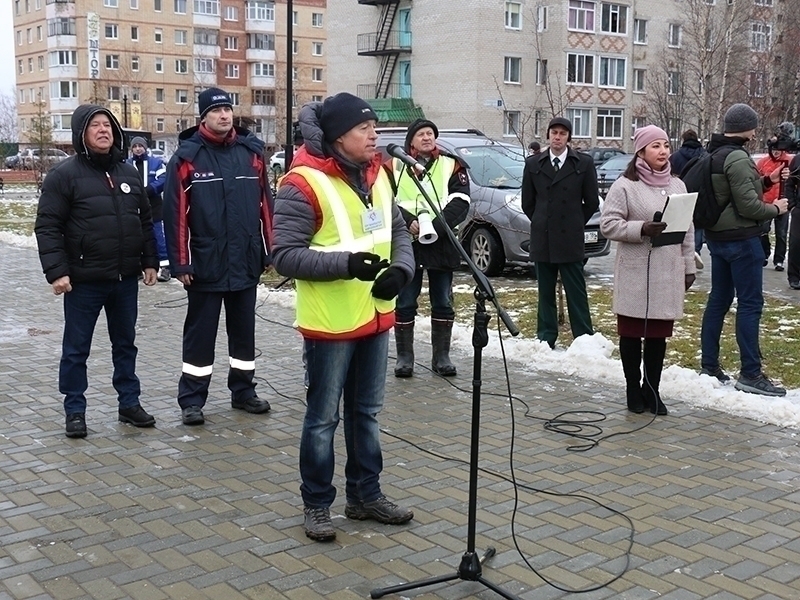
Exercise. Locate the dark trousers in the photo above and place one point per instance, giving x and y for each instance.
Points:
(793, 262)
(781, 230)
(81, 309)
(440, 291)
(199, 339)
(577, 301)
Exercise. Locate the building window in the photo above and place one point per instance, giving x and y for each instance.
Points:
(295, 74)
(580, 68)
(181, 96)
(295, 46)
(234, 98)
(638, 80)
(41, 63)
(316, 74)
(537, 123)
(264, 97)
(180, 7)
(612, 72)
(511, 119)
(231, 43)
(30, 65)
(160, 125)
(61, 57)
(181, 65)
(159, 95)
(763, 2)
(512, 71)
(231, 13)
(541, 71)
(614, 19)
(159, 65)
(316, 19)
(204, 65)
(639, 31)
(134, 34)
(29, 33)
(513, 15)
(263, 70)
(581, 15)
(114, 93)
(181, 124)
(134, 4)
(157, 5)
(111, 3)
(541, 18)
(206, 7)
(674, 39)
(757, 84)
(232, 71)
(62, 122)
(112, 31)
(609, 123)
(19, 37)
(760, 36)
(316, 98)
(134, 63)
(295, 18)
(581, 119)
(206, 37)
(258, 10)
(112, 61)
(63, 89)
(39, 33)
(158, 35)
(316, 48)
(181, 35)
(20, 67)
(673, 83)
(261, 41)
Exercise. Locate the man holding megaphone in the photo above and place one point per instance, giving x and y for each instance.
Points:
(445, 180)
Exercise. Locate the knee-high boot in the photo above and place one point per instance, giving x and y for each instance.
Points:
(654, 351)
(441, 330)
(630, 352)
(404, 338)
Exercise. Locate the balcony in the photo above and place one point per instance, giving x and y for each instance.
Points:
(376, 44)
(368, 91)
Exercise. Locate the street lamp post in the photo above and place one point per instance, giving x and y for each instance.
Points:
(125, 110)
(289, 147)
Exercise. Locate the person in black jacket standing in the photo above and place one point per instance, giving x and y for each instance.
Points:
(217, 207)
(690, 148)
(446, 182)
(95, 237)
(559, 195)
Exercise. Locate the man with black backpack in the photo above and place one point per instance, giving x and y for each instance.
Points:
(736, 254)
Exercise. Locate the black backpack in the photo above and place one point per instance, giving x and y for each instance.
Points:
(696, 175)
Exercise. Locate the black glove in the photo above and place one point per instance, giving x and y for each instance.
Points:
(653, 228)
(365, 265)
(389, 284)
(688, 280)
(151, 191)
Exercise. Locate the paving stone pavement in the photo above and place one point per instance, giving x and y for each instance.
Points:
(214, 512)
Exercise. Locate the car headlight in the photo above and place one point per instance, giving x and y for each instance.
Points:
(514, 201)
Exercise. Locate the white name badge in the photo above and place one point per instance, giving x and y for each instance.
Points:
(371, 220)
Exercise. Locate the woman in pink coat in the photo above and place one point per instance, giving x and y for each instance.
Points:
(649, 281)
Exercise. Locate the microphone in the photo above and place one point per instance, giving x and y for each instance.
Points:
(399, 153)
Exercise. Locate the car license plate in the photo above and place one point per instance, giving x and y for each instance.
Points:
(589, 237)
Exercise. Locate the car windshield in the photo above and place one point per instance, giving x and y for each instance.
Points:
(616, 163)
(495, 166)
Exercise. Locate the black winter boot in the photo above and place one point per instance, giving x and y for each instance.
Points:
(441, 330)
(404, 337)
(630, 352)
(654, 351)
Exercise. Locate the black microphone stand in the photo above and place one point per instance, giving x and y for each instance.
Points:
(470, 567)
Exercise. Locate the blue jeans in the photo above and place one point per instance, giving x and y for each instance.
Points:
(699, 238)
(81, 309)
(440, 285)
(736, 270)
(357, 370)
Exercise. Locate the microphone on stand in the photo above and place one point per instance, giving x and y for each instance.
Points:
(402, 155)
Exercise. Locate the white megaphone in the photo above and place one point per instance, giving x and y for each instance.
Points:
(427, 233)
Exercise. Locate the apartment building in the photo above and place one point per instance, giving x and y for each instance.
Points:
(147, 61)
(506, 67)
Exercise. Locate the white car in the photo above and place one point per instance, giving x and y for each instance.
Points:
(277, 162)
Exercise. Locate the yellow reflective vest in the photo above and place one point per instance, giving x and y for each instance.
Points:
(345, 307)
(436, 184)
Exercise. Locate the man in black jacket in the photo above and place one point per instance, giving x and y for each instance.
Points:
(559, 195)
(446, 182)
(95, 237)
(793, 195)
(217, 206)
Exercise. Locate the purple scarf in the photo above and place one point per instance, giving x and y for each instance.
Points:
(650, 177)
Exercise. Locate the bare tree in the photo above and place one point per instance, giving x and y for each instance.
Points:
(40, 137)
(8, 117)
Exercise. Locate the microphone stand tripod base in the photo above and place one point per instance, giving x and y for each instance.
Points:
(470, 567)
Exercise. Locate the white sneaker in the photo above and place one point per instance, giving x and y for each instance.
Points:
(698, 262)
